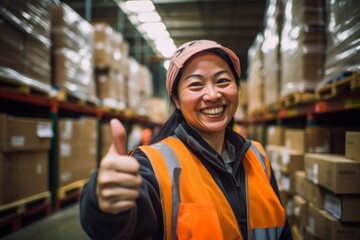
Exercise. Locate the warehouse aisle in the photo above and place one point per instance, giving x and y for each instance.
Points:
(62, 225)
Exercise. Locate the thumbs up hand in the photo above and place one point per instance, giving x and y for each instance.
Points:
(118, 180)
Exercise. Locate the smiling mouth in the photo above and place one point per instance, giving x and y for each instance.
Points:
(213, 111)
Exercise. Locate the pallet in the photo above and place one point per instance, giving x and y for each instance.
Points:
(15, 215)
(64, 95)
(297, 98)
(70, 189)
(20, 87)
(345, 85)
(69, 193)
(273, 107)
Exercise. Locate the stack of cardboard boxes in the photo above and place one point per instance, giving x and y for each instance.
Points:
(77, 149)
(72, 53)
(303, 46)
(111, 58)
(24, 157)
(321, 193)
(25, 44)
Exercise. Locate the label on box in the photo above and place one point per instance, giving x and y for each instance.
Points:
(39, 169)
(68, 129)
(17, 141)
(285, 182)
(66, 176)
(332, 204)
(44, 130)
(65, 150)
(315, 172)
(92, 150)
(311, 223)
(285, 158)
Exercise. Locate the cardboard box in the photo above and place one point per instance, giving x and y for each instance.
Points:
(22, 174)
(317, 139)
(284, 159)
(292, 161)
(314, 194)
(343, 207)
(325, 226)
(299, 183)
(275, 135)
(288, 183)
(24, 134)
(308, 235)
(78, 131)
(300, 212)
(295, 139)
(338, 139)
(333, 172)
(11, 46)
(274, 155)
(352, 147)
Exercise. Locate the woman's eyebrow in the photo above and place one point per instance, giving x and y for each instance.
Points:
(194, 75)
(221, 72)
(201, 76)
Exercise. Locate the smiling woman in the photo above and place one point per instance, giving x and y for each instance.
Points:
(198, 178)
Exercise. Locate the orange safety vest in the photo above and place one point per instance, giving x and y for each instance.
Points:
(194, 207)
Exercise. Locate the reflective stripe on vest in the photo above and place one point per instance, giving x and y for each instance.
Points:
(174, 170)
(170, 156)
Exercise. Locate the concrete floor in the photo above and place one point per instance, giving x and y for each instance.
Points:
(61, 225)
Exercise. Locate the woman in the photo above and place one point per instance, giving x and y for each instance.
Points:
(198, 179)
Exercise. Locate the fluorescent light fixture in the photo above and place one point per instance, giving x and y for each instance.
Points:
(140, 6)
(153, 27)
(166, 47)
(167, 52)
(166, 64)
(158, 34)
(148, 17)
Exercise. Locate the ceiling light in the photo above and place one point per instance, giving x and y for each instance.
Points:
(140, 6)
(166, 64)
(158, 34)
(148, 17)
(153, 27)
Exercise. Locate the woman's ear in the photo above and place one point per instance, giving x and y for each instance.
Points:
(176, 101)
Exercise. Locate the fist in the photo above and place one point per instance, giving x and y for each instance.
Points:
(118, 179)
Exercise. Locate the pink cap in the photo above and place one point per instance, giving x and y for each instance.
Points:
(187, 50)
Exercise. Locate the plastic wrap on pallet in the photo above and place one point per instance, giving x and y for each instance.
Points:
(28, 26)
(271, 51)
(109, 47)
(73, 53)
(303, 46)
(103, 47)
(255, 79)
(140, 88)
(343, 36)
(33, 17)
(74, 73)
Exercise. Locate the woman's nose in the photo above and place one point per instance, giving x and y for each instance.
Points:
(211, 93)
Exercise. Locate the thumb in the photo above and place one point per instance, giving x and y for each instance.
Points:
(119, 137)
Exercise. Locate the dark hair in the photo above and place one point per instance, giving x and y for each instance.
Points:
(176, 118)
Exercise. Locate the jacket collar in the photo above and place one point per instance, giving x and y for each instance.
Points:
(198, 145)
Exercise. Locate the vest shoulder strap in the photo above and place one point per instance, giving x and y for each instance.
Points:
(261, 155)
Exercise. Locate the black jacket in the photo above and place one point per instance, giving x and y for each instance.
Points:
(146, 218)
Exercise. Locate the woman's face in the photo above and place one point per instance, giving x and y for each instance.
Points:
(207, 93)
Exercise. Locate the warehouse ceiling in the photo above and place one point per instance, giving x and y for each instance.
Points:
(232, 23)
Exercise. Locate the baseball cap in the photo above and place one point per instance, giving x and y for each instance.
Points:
(187, 50)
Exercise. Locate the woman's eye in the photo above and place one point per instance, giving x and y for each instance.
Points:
(223, 80)
(195, 84)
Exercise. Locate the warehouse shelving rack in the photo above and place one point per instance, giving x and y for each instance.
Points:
(342, 110)
(22, 104)
(343, 104)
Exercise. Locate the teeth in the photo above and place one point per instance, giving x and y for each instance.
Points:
(213, 111)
